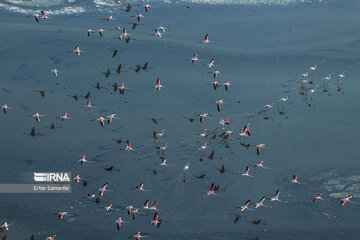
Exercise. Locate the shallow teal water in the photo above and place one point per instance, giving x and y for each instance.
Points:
(261, 50)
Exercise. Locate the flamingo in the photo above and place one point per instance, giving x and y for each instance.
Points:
(155, 220)
(215, 73)
(258, 148)
(54, 71)
(62, 214)
(111, 117)
(327, 78)
(77, 50)
(147, 6)
(5, 226)
(89, 32)
(159, 135)
(206, 39)
(246, 173)
(246, 206)
(211, 191)
(203, 147)
(245, 131)
(103, 189)
(203, 116)
(37, 116)
(294, 180)
(137, 236)
(224, 121)
(194, 58)
(101, 32)
(4, 108)
(341, 75)
(100, 120)
(218, 104)
(276, 197)
(118, 222)
(203, 134)
(64, 116)
(158, 86)
(157, 33)
(226, 85)
(346, 199)
(260, 203)
(187, 166)
(318, 197)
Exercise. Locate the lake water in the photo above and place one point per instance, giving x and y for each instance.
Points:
(262, 47)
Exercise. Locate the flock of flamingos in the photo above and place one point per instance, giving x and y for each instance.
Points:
(307, 85)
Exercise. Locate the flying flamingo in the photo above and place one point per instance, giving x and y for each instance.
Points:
(64, 116)
(187, 166)
(246, 206)
(101, 32)
(100, 120)
(211, 191)
(4, 108)
(147, 6)
(83, 160)
(226, 85)
(153, 207)
(224, 121)
(206, 39)
(245, 131)
(128, 146)
(215, 73)
(258, 148)
(318, 197)
(62, 214)
(211, 63)
(77, 178)
(158, 33)
(137, 236)
(6, 226)
(158, 86)
(111, 117)
(118, 223)
(89, 32)
(77, 50)
(294, 180)
(103, 189)
(260, 164)
(51, 238)
(141, 187)
(203, 116)
(37, 116)
(215, 84)
(246, 173)
(346, 199)
(155, 220)
(54, 71)
(44, 16)
(260, 203)
(88, 105)
(218, 104)
(276, 197)
(194, 58)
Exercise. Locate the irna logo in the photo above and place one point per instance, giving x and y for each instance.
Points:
(52, 177)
